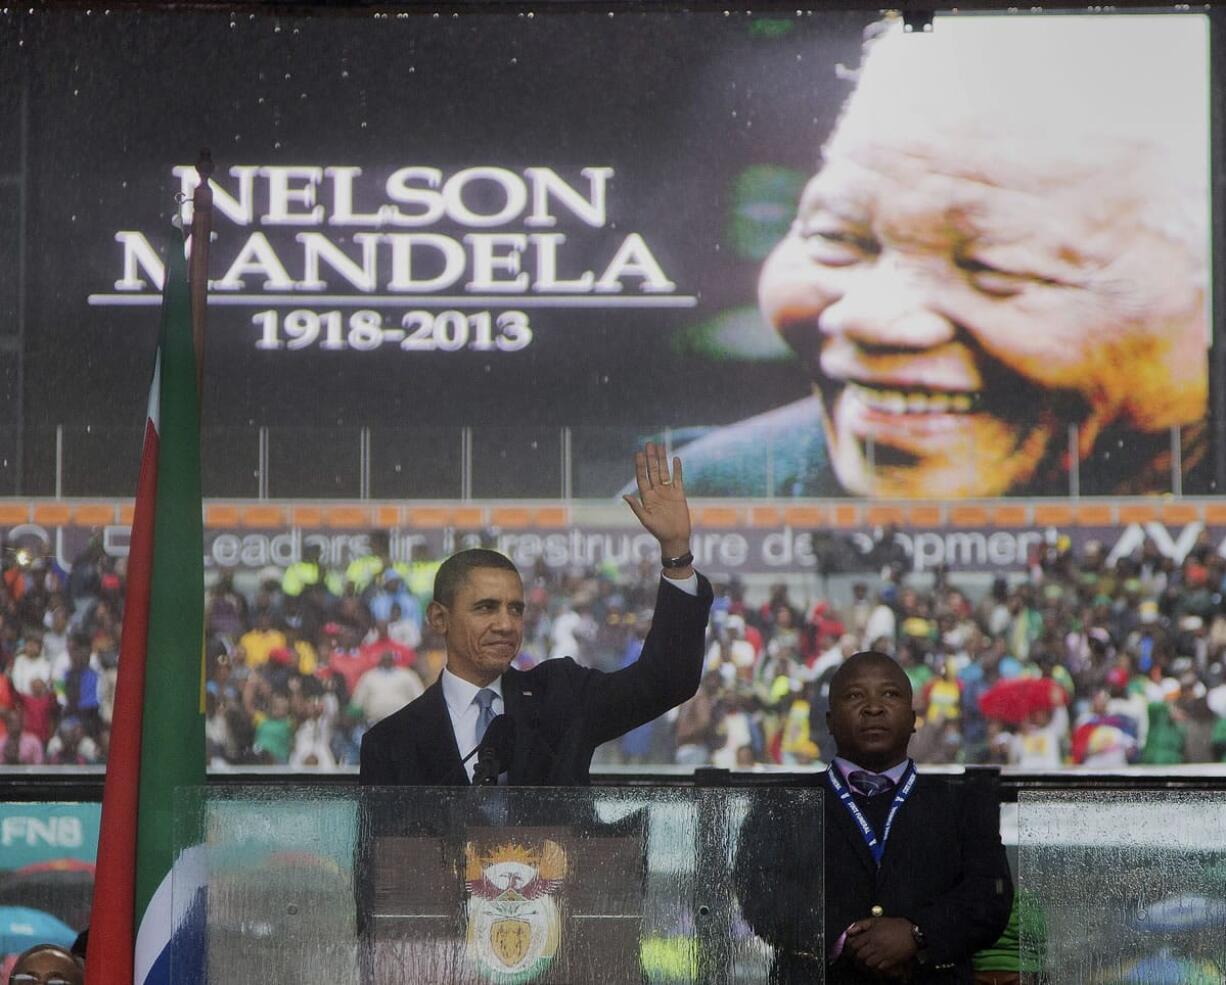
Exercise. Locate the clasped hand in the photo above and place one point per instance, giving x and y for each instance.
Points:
(883, 946)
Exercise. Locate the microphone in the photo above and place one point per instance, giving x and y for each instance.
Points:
(494, 751)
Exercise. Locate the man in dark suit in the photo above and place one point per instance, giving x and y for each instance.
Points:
(915, 877)
(561, 711)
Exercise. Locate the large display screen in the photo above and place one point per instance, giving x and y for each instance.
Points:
(812, 247)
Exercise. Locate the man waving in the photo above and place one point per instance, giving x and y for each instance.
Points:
(558, 712)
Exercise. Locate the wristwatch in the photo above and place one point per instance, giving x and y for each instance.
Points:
(921, 946)
(681, 561)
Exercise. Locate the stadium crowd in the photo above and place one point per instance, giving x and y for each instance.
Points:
(1083, 660)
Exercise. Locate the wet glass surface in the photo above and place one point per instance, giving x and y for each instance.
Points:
(1123, 887)
(460, 885)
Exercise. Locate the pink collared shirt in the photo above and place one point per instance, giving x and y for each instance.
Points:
(847, 767)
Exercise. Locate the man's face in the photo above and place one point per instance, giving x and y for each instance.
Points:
(870, 715)
(46, 966)
(958, 308)
(484, 625)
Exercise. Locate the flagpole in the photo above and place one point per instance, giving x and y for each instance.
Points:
(159, 676)
(198, 267)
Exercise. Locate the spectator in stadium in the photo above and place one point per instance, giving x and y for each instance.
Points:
(392, 592)
(379, 641)
(304, 659)
(385, 688)
(987, 257)
(405, 631)
(31, 664)
(78, 689)
(731, 648)
(259, 641)
(309, 573)
(55, 639)
(366, 569)
(40, 709)
(85, 578)
(70, 746)
(696, 723)
(21, 747)
(274, 731)
(346, 658)
(314, 738)
(572, 631)
(225, 610)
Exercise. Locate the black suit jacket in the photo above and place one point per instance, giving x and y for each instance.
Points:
(944, 869)
(562, 711)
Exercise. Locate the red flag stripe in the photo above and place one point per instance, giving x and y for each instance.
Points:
(112, 917)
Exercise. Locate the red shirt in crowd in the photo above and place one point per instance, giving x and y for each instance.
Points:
(40, 714)
(406, 656)
(350, 664)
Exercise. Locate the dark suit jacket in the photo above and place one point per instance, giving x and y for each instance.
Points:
(562, 711)
(944, 869)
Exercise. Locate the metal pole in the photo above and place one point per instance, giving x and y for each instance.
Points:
(1074, 463)
(19, 398)
(1176, 460)
(770, 469)
(198, 263)
(568, 485)
(364, 458)
(261, 470)
(466, 464)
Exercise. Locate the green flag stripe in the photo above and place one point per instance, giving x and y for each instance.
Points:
(172, 737)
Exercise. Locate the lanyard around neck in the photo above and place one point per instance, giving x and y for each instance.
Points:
(876, 846)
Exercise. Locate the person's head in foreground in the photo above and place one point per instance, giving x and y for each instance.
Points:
(478, 609)
(870, 714)
(1007, 235)
(47, 964)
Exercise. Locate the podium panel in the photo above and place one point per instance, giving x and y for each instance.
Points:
(1120, 887)
(472, 886)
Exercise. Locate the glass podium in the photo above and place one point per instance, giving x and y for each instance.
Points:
(469, 885)
(1122, 888)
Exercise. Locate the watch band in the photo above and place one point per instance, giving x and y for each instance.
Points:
(681, 561)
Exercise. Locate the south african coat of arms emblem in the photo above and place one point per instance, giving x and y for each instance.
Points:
(514, 921)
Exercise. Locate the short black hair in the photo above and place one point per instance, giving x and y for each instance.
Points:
(454, 571)
(856, 660)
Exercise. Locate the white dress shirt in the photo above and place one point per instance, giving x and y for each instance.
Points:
(461, 698)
